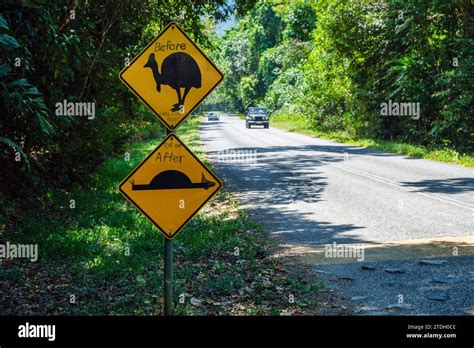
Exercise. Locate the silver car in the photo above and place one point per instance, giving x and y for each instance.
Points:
(213, 116)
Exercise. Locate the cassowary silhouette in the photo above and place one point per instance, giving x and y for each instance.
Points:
(178, 70)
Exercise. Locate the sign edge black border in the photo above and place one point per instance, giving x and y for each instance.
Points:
(221, 185)
(143, 100)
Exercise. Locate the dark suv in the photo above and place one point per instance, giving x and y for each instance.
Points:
(257, 116)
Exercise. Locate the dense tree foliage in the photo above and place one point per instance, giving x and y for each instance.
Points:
(335, 62)
(51, 51)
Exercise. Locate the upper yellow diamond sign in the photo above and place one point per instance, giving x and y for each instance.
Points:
(172, 76)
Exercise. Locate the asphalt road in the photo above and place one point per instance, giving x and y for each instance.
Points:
(310, 192)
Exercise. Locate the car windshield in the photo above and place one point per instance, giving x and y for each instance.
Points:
(257, 111)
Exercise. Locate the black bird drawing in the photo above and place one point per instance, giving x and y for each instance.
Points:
(178, 70)
(173, 179)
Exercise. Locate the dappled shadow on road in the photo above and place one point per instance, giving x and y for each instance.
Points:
(282, 179)
(342, 149)
(210, 126)
(332, 147)
(452, 185)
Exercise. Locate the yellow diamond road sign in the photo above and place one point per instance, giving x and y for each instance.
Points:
(172, 76)
(170, 186)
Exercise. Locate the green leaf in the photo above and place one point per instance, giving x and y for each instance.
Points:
(31, 91)
(46, 127)
(20, 83)
(15, 146)
(8, 42)
(33, 3)
(3, 22)
(4, 69)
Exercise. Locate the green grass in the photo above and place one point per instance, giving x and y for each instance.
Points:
(110, 257)
(299, 124)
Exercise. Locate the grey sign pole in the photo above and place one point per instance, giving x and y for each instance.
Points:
(168, 272)
(168, 285)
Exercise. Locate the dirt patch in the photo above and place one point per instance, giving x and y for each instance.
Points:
(325, 301)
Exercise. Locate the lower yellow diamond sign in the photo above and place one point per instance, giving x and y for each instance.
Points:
(170, 186)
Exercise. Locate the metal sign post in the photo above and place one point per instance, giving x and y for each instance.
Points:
(169, 187)
(172, 76)
(168, 271)
(168, 277)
